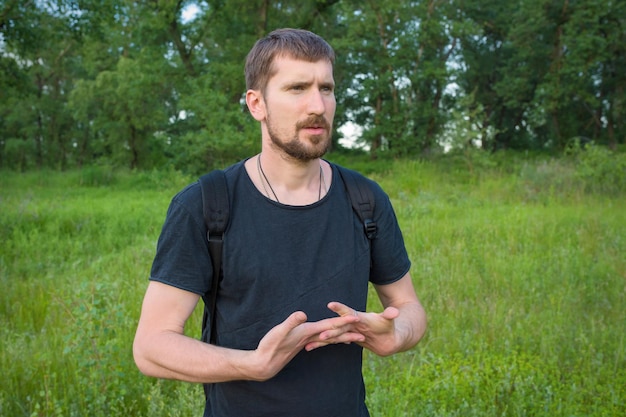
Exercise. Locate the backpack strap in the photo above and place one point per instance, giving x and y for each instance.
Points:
(215, 207)
(361, 198)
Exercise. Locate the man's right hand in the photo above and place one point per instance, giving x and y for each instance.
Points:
(283, 342)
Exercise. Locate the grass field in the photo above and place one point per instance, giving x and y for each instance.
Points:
(520, 264)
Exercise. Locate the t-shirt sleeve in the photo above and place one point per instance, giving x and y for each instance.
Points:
(389, 257)
(182, 259)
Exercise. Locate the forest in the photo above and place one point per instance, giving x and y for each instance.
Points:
(159, 83)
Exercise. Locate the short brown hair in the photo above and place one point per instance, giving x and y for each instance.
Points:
(295, 43)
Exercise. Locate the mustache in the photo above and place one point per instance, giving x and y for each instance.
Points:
(317, 121)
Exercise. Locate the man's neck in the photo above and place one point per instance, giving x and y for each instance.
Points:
(288, 181)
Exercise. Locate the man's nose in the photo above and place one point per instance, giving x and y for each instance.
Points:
(316, 103)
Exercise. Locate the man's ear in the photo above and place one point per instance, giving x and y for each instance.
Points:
(256, 104)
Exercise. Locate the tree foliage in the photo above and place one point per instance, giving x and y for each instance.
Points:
(146, 84)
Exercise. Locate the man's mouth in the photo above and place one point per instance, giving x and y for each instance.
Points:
(315, 129)
(316, 126)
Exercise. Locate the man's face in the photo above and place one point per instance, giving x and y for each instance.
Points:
(300, 107)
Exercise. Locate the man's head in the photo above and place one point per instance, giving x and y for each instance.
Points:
(293, 43)
(291, 92)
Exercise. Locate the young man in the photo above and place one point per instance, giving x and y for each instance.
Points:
(291, 321)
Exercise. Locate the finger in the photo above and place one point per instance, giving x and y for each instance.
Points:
(294, 320)
(334, 323)
(280, 334)
(390, 313)
(334, 330)
(315, 345)
(345, 338)
(341, 336)
(342, 309)
(334, 326)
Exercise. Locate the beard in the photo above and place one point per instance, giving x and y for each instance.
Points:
(295, 147)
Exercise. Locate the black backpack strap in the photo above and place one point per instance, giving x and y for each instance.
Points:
(215, 206)
(362, 199)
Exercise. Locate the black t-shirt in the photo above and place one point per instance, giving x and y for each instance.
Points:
(279, 259)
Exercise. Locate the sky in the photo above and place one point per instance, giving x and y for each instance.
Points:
(190, 12)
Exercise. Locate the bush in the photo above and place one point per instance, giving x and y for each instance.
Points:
(601, 170)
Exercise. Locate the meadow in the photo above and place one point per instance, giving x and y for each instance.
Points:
(519, 261)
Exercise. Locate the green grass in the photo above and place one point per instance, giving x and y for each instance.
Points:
(519, 263)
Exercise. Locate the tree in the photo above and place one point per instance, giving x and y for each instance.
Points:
(545, 71)
(590, 73)
(39, 43)
(397, 59)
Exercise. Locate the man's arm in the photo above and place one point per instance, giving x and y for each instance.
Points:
(399, 327)
(162, 350)
(410, 323)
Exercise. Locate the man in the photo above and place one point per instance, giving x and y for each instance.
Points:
(291, 321)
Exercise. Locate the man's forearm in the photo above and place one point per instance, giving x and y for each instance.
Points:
(410, 325)
(171, 355)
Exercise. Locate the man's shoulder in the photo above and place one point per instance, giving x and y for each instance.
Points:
(235, 169)
(192, 191)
